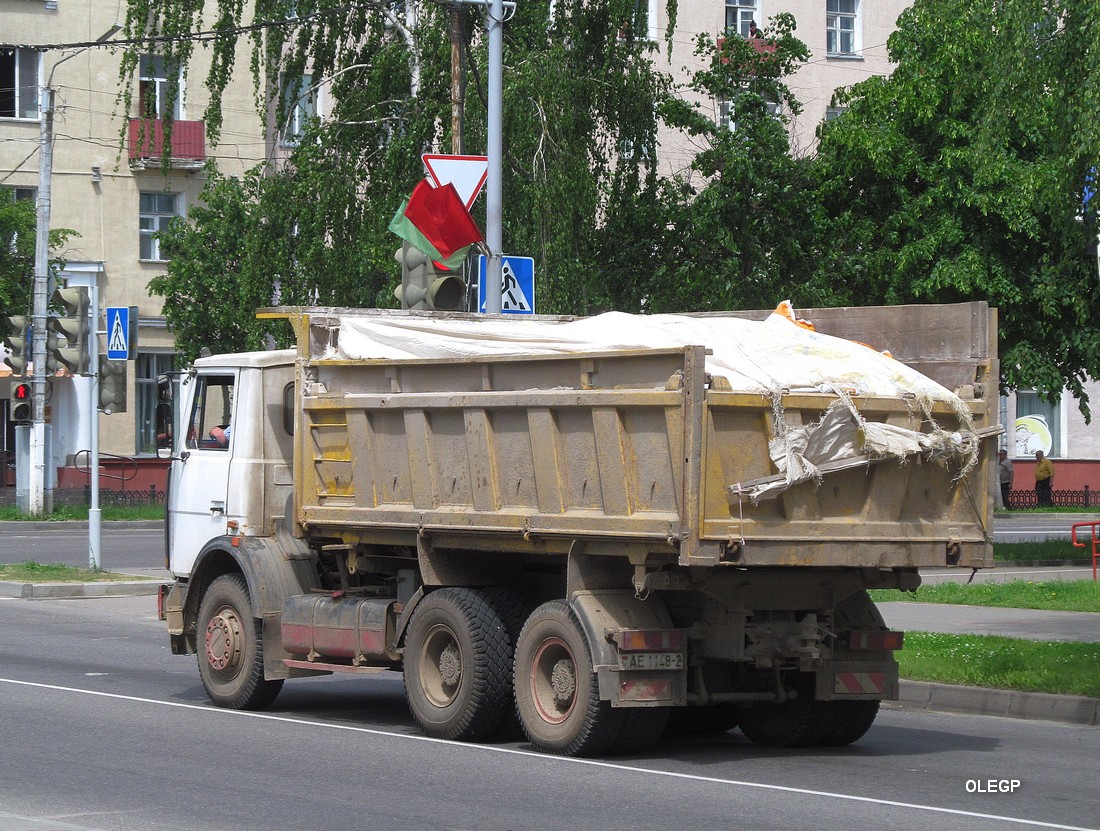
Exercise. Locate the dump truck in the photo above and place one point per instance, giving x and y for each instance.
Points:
(587, 540)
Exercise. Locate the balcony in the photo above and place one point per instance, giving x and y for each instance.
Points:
(147, 144)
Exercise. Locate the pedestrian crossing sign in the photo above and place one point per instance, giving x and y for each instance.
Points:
(517, 290)
(118, 333)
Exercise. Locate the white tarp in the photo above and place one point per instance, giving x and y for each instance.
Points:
(768, 357)
(755, 356)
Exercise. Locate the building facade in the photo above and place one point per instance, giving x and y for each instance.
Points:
(112, 188)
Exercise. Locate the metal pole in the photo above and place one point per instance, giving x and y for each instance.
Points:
(493, 181)
(39, 497)
(95, 534)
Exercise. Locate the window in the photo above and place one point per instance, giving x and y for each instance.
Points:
(642, 24)
(212, 413)
(157, 84)
(1038, 425)
(727, 112)
(299, 107)
(157, 210)
(833, 113)
(739, 14)
(20, 194)
(841, 24)
(18, 82)
(148, 367)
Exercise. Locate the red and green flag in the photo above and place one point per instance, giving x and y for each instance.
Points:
(435, 221)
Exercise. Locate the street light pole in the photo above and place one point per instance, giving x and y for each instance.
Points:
(494, 236)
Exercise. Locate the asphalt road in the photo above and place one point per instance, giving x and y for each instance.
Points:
(103, 729)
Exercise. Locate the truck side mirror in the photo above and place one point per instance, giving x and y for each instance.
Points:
(164, 430)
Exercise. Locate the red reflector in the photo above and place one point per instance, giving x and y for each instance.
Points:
(859, 683)
(876, 640)
(650, 640)
(646, 690)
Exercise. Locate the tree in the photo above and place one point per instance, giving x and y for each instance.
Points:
(736, 241)
(580, 93)
(961, 177)
(17, 235)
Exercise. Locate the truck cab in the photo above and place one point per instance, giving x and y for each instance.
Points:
(232, 457)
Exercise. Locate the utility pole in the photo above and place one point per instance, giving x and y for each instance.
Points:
(39, 497)
(458, 85)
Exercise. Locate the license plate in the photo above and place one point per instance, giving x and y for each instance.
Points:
(651, 660)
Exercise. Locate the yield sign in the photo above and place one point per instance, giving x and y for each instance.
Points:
(466, 173)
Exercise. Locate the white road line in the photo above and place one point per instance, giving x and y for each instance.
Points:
(203, 708)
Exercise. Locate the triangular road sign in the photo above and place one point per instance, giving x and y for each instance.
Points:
(466, 173)
(512, 297)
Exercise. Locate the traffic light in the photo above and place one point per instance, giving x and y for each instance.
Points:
(69, 346)
(14, 330)
(21, 404)
(112, 385)
(424, 285)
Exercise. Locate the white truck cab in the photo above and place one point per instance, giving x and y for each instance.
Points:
(232, 457)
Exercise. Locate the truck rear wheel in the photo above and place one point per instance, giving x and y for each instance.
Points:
(457, 657)
(231, 652)
(850, 721)
(797, 723)
(557, 694)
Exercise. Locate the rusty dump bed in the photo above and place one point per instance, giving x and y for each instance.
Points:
(640, 449)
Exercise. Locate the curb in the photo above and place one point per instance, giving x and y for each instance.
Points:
(78, 524)
(983, 701)
(41, 591)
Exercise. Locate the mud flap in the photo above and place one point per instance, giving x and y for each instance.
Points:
(605, 616)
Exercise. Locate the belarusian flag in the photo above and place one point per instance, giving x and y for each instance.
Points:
(435, 221)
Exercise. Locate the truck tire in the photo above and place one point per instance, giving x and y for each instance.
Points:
(796, 723)
(513, 605)
(557, 694)
(707, 720)
(231, 651)
(641, 729)
(850, 721)
(457, 655)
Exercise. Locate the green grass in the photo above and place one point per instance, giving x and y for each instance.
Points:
(1068, 596)
(1002, 663)
(108, 513)
(32, 572)
(1014, 552)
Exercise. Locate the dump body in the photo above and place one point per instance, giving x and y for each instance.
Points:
(589, 539)
(534, 453)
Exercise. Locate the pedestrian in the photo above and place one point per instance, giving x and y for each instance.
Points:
(1044, 479)
(1005, 473)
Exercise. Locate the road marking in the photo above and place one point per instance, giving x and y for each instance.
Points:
(206, 708)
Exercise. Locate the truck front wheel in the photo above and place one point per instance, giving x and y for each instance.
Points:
(557, 695)
(231, 658)
(456, 666)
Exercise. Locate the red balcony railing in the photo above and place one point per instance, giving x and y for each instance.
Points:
(147, 143)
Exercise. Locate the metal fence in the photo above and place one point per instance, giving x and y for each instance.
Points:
(1023, 500)
(127, 499)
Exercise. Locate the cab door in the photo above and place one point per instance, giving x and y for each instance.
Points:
(198, 503)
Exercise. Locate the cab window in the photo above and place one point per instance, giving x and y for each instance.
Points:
(211, 424)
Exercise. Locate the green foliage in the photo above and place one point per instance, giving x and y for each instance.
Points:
(1015, 552)
(1002, 663)
(1067, 596)
(16, 253)
(17, 235)
(740, 222)
(580, 124)
(960, 177)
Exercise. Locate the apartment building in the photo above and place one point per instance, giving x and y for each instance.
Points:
(111, 187)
